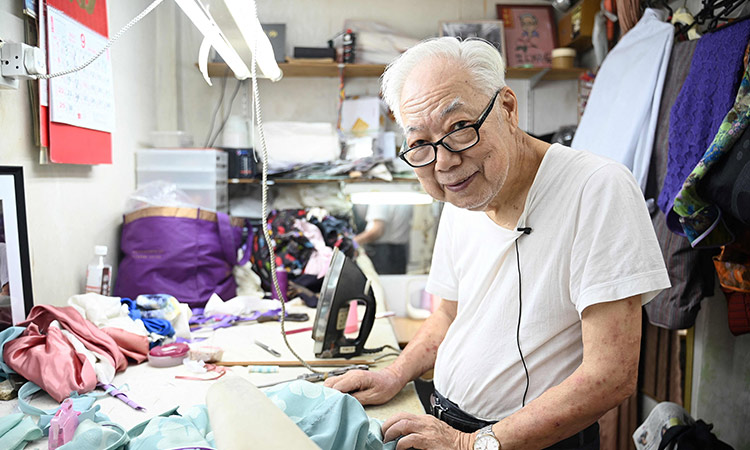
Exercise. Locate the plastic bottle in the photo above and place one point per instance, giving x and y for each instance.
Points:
(349, 40)
(99, 273)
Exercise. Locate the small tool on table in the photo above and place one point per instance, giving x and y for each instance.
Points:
(267, 348)
(314, 377)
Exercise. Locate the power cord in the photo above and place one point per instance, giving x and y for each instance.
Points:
(229, 112)
(518, 328)
(122, 31)
(264, 202)
(218, 105)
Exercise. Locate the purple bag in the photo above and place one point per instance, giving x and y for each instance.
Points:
(185, 252)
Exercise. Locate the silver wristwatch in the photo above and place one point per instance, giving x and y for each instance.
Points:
(486, 440)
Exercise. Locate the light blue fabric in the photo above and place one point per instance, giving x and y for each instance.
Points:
(81, 403)
(331, 419)
(192, 429)
(7, 335)
(92, 435)
(16, 430)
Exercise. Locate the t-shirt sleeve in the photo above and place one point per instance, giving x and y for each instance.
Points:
(378, 212)
(615, 253)
(442, 280)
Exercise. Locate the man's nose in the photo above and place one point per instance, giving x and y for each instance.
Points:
(446, 159)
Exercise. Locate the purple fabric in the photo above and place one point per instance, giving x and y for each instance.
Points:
(188, 258)
(705, 98)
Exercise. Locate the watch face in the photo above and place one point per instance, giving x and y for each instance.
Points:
(486, 443)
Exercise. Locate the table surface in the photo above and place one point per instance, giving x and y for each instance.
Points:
(158, 390)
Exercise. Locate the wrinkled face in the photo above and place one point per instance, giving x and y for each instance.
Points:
(438, 98)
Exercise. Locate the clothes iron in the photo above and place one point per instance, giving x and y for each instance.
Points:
(344, 282)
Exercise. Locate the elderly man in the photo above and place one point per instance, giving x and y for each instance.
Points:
(544, 257)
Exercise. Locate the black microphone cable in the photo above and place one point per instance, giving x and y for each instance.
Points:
(525, 230)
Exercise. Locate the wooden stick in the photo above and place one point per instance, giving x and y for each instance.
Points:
(317, 363)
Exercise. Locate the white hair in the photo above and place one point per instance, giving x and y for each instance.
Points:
(478, 56)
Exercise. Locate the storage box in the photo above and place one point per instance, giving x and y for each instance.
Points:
(201, 173)
(362, 116)
(575, 28)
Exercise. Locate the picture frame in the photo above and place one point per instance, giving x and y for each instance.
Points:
(489, 30)
(16, 298)
(530, 34)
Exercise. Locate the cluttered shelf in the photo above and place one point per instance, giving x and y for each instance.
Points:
(330, 69)
(320, 180)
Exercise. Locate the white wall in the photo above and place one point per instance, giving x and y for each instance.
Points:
(721, 374)
(72, 208)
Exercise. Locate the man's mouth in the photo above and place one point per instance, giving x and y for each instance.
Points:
(461, 185)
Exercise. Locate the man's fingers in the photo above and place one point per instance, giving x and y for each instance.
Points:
(401, 424)
(349, 382)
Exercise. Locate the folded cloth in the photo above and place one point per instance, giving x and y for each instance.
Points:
(134, 346)
(106, 311)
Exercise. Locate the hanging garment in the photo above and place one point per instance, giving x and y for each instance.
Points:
(622, 111)
(701, 220)
(690, 270)
(707, 94)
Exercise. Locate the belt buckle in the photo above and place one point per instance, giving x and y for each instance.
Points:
(437, 408)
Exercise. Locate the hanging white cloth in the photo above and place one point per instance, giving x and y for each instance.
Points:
(620, 118)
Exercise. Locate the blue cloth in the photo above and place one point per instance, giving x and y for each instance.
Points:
(81, 403)
(162, 327)
(16, 430)
(7, 335)
(331, 419)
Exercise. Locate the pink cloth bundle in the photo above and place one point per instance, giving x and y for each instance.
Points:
(42, 354)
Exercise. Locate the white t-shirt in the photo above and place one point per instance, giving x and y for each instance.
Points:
(397, 221)
(592, 242)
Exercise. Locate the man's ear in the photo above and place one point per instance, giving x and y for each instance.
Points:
(509, 104)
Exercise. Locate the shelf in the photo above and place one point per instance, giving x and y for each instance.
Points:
(313, 70)
(272, 181)
(300, 69)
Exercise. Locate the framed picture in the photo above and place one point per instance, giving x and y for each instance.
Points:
(15, 271)
(530, 34)
(489, 30)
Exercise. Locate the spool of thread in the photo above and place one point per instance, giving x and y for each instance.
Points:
(563, 58)
(264, 369)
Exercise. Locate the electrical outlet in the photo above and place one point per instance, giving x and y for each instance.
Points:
(19, 60)
(5, 82)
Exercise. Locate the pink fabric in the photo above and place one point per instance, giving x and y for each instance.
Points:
(50, 361)
(132, 345)
(71, 320)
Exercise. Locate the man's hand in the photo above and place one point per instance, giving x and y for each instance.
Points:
(424, 432)
(370, 388)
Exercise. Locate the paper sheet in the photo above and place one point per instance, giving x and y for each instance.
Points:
(84, 98)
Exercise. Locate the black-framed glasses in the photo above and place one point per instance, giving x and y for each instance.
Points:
(456, 141)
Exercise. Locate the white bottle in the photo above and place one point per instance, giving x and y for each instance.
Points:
(99, 273)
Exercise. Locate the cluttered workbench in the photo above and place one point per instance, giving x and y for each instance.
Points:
(159, 389)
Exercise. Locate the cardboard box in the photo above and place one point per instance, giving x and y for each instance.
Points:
(575, 28)
(364, 116)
